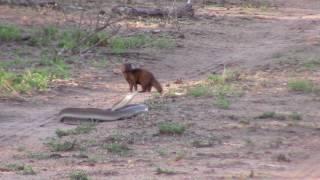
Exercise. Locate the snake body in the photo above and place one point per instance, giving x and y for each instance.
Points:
(96, 114)
(120, 110)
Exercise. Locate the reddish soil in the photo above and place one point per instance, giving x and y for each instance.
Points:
(266, 45)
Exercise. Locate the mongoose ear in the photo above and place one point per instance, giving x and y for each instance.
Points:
(134, 66)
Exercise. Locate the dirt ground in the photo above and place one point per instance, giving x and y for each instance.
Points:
(266, 45)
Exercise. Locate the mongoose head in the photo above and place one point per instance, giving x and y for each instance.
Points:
(126, 67)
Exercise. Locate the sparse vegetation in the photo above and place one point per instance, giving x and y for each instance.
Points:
(272, 115)
(300, 85)
(15, 167)
(266, 115)
(295, 116)
(58, 145)
(120, 44)
(9, 32)
(165, 171)
(199, 90)
(28, 170)
(219, 86)
(24, 169)
(312, 63)
(78, 175)
(31, 79)
(117, 148)
(171, 128)
(38, 155)
(81, 129)
(222, 102)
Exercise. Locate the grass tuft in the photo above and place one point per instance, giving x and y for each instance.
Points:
(164, 171)
(56, 145)
(222, 102)
(78, 175)
(300, 85)
(81, 129)
(171, 128)
(32, 79)
(116, 148)
(25, 169)
(199, 90)
(9, 33)
(295, 116)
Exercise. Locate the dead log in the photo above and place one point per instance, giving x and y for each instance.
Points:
(183, 11)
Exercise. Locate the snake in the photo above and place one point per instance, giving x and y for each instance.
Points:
(120, 110)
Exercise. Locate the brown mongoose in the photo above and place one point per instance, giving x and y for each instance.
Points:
(135, 76)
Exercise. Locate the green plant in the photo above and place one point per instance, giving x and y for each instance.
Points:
(199, 90)
(38, 155)
(57, 145)
(9, 33)
(222, 102)
(44, 36)
(69, 39)
(28, 170)
(295, 116)
(117, 148)
(22, 83)
(15, 167)
(171, 128)
(266, 115)
(312, 64)
(100, 39)
(121, 44)
(273, 115)
(81, 129)
(165, 171)
(300, 85)
(163, 43)
(78, 175)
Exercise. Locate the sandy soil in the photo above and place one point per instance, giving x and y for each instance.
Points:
(267, 47)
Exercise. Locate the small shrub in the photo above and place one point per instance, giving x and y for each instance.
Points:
(101, 38)
(81, 129)
(28, 170)
(117, 148)
(78, 175)
(9, 33)
(300, 85)
(266, 115)
(295, 116)
(121, 44)
(69, 39)
(56, 145)
(312, 64)
(23, 83)
(15, 167)
(273, 115)
(37, 79)
(222, 102)
(199, 90)
(171, 128)
(164, 171)
(25, 169)
(39, 156)
(44, 36)
(224, 90)
(163, 43)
